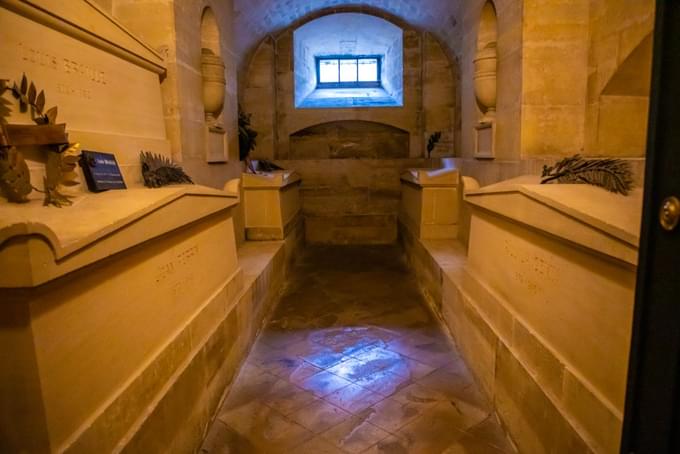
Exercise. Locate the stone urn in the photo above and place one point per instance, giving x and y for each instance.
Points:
(212, 68)
(485, 81)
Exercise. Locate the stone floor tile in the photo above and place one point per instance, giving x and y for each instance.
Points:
(346, 338)
(353, 369)
(383, 382)
(319, 416)
(353, 398)
(383, 359)
(357, 313)
(287, 398)
(354, 435)
(281, 338)
(433, 352)
(278, 362)
(448, 384)
(324, 383)
(491, 432)
(316, 354)
(391, 414)
(472, 445)
(302, 372)
(249, 389)
(389, 445)
(263, 429)
(431, 432)
(318, 445)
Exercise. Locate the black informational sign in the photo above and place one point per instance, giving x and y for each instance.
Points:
(101, 171)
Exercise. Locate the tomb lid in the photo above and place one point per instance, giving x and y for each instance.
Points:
(446, 176)
(96, 226)
(584, 214)
(275, 179)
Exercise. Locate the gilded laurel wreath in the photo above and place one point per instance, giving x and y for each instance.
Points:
(61, 157)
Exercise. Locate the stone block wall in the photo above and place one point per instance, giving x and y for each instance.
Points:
(350, 201)
(349, 139)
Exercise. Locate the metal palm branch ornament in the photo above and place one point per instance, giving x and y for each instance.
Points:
(614, 175)
(157, 171)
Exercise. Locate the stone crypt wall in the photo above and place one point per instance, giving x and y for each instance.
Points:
(357, 203)
(561, 72)
(173, 28)
(429, 96)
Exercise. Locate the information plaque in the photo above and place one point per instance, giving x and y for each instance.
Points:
(101, 171)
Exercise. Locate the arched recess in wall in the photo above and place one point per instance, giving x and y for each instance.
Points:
(214, 81)
(267, 90)
(485, 84)
(485, 60)
(350, 139)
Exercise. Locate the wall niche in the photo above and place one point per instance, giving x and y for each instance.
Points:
(350, 139)
(214, 82)
(485, 84)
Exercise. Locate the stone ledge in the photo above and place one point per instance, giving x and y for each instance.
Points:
(43, 243)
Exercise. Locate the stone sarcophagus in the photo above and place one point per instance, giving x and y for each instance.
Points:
(105, 306)
(271, 201)
(551, 272)
(429, 205)
(117, 320)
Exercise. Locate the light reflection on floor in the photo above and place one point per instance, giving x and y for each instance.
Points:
(351, 362)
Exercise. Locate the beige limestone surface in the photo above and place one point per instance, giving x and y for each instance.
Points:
(586, 215)
(430, 202)
(73, 325)
(429, 96)
(39, 244)
(94, 70)
(546, 404)
(271, 203)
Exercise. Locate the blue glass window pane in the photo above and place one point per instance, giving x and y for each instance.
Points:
(348, 70)
(368, 70)
(328, 71)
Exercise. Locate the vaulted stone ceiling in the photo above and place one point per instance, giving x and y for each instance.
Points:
(255, 19)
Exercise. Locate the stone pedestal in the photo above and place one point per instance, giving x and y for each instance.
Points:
(272, 204)
(216, 144)
(485, 140)
(107, 308)
(430, 202)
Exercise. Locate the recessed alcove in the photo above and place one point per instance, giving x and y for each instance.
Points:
(348, 60)
(214, 88)
(347, 139)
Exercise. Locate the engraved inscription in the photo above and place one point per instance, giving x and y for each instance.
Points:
(164, 272)
(185, 256)
(540, 271)
(74, 91)
(181, 260)
(183, 286)
(57, 63)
